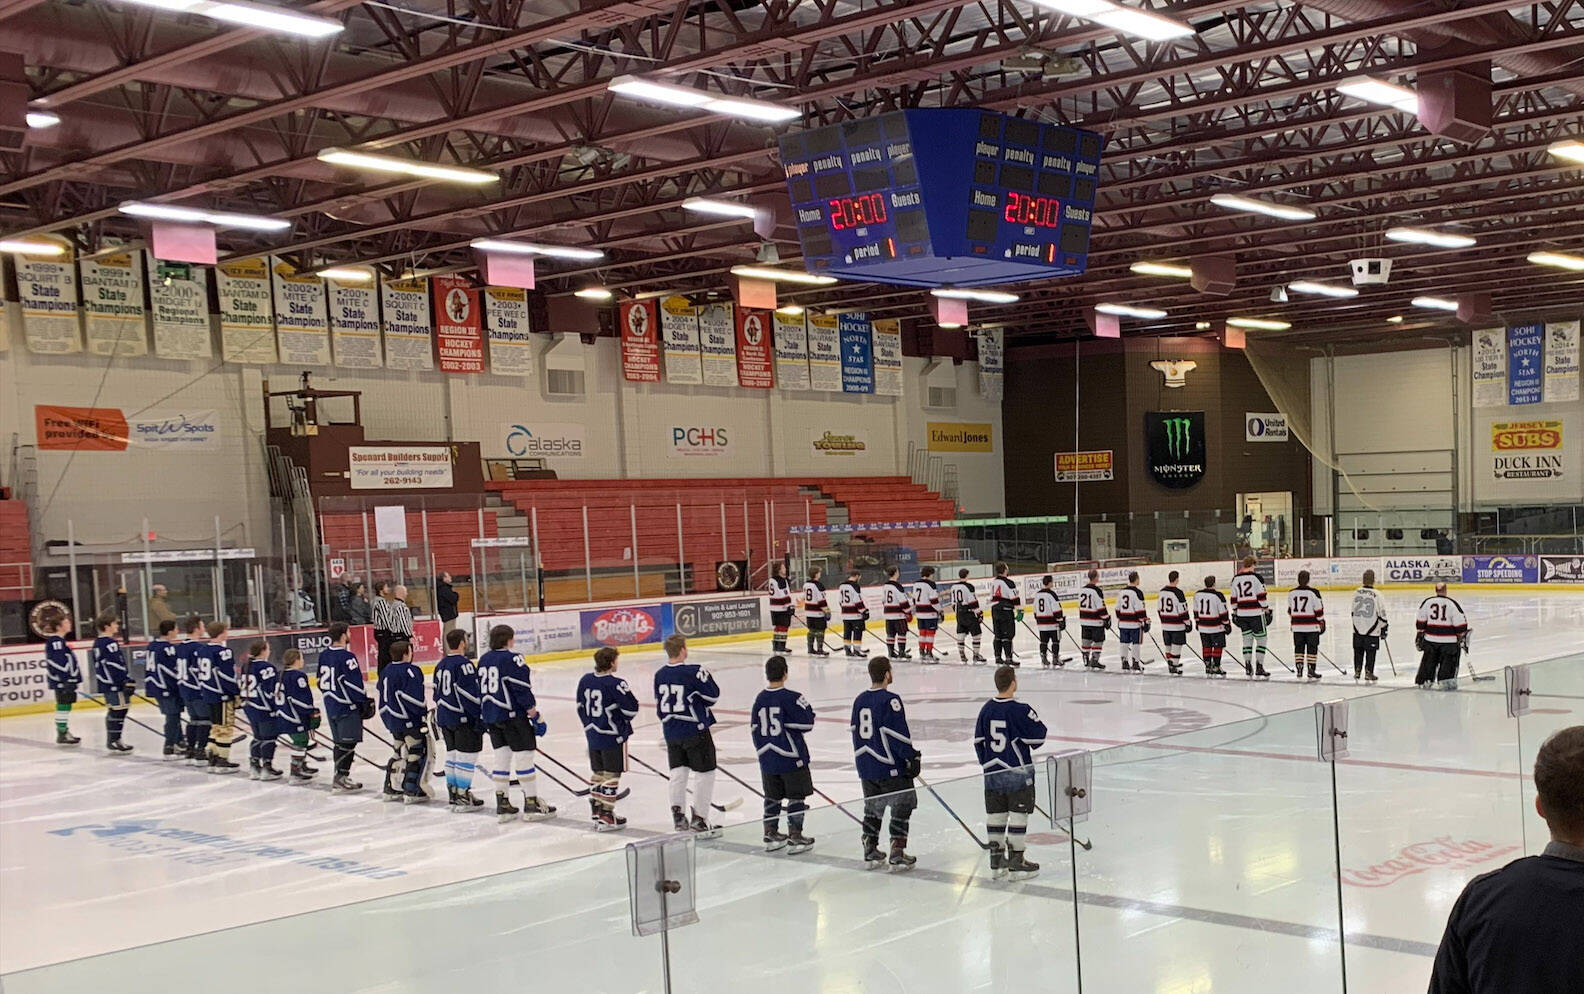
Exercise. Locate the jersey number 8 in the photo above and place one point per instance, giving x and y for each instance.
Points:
(865, 724)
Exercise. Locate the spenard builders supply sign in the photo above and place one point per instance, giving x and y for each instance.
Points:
(399, 467)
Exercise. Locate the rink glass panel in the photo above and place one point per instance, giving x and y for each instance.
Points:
(1556, 689)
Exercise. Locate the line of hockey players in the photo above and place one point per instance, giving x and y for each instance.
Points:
(1442, 628)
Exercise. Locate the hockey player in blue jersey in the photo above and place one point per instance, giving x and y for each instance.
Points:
(219, 689)
(511, 713)
(162, 684)
(295, 714)
(779, 720)
(62, 672)
(112, 679)
(191, 693)
(887, 764)
(260, 683)
(458, 701)
(402, 709)
(606, 707)
(346, 702)
(1005, 737)
(685, 694)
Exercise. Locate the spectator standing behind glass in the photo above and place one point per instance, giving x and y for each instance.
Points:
(399, 619)
(359, 611)
(446, 600)
(1520, 929)
(159, 606)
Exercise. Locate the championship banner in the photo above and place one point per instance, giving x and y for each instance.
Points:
(247, 321)
(640, 341)
(824, 353)
(179, 302)
(302, 321)
(991, 363)
(409, 339)
(754, 364)
(506, 328)
(459, 327)
(1175, 447)
(1561, 362)
(718, 345)
(679, 330)
(1525, 363)
(791, 350)
(887, 357)
(112, 301)
(354, 324)
(1490, 367)
(857, 353)
(47, 291)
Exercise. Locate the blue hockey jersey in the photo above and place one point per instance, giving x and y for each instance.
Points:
(882, 743)
(341, 682)
(778, 722)
(187, 683)
(260, 687)
(1005, 737)
(685, 693)
(401, 694)
(217, 672)
(457, 695)
(161, 673)
(296, 701)
(110, 668)
(62, 672)
(606, 707)
(507, 686)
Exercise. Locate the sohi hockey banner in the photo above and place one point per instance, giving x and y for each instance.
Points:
(302, 322)
(47, 291)
(887, 357)
(179, 302)
(718, 345)
(824, 353)
(791, 351)
(409, 337)
(459, 327)
(992, 363)
(1562, 362)
(354, 324)
(1490, 367)
(506, 328)
(754, 368)
(640, 341)
(112, 301)
(247, 319)
(1175, 447)
(680, 332)
(1525, 363)
(857, 353)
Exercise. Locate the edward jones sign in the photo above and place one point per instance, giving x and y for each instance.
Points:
(1526, 450)
(960, 436)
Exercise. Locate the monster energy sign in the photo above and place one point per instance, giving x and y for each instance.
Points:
(1176, 447)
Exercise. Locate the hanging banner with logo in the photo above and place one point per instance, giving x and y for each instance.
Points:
(114, 322)
(640, 340)
(991, 363)
(179, 302)
(718, 345)
(1090, 466)
(459, 327)
(1525, 363)
(679, 330)
(409, 338)
(302, 321)
(754, 365)
(1527, 450)
(1490, 367)
(506, 328)
(791, 350)
(887, 357)
(857, 353)
(247, 319)
(1561, 362)
(110, 429)
(47, 292)
(1265, 428)
(355, 324)
(1175, 447)
(824, 353)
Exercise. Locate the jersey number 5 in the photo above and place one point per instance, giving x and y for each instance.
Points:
(998, 738)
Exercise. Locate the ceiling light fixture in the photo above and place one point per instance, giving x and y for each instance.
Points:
(1395, 319)
(687, 96)
(1435, 239)
(1322, 289)
(42, 119)
(22, 246)
(983, 296)
(196, 215)
(1378, 91)
(345, 275)
(790, 310)
(530, 248)
(1128, 20)
(1560, 260)
(1235, 203)
(1435, 303)
(1129, 311)
(1161, 269)
(1572, 149)
(405, 167)
(725, 208)
(252, 15)
(782, 275)
(592, 293)
(1258, 324)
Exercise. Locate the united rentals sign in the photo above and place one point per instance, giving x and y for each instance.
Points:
(1175, 447)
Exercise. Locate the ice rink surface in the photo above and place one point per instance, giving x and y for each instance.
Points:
(1212, 866)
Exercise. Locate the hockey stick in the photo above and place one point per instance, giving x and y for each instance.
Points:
(743, 783)
(730, 805)
(1036, 635)
(1333, 662)
(838, 806)
(977, 841)
(1086, 846)
(1075, 645)
(1476, 676)
(1389, 658)
(571, 772)
(124, 717)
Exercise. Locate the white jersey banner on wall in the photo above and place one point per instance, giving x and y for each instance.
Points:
(506, 329)
(990, 363)
(409, 331)
(1561, 362)
(47, 291)
(114, 321)
(718, 345)
(247, 319)
(791, 351)
(179, 302)
(680, 331)
(887, 334)
(302, 321)
(354, 324)
(824, 352)
(1489, 356)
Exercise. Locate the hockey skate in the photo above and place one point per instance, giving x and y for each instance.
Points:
(1314, 674)
(268, 772)
(222, 766)
(462, 800)
(118, 746)
(415, 796)
(997, 861)
(1018, 867)
(900, 861)
(344, 784)
(872, 855)
(703, 829)
(606, 821)
(1093, 664)
(978, 658)
(1370, 677)
(1260, 673)
(300, 772)
(65, 738)
(169, 753)
(505, 810)
(1175, 669)
(253, 769)
(679, 820)
(774, 840)
(388, 792)
(534, 809)
(797, 843)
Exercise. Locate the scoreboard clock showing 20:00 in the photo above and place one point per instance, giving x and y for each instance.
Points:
(943, 197)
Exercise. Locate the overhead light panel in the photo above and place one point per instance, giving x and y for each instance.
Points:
(405, 167)
(1378, 91)
(194, 215)
(42, 119)
(22, 246)
(531, 248)
(252, 15)
(725, 208)
(1161, 269)
(1236, 203)
(1258, 324)
(1561, 260)
(687, 96)
(593, 293)
(790, 310)
(1395, 319)
(1129, 311)
(782, 275)
(983, 296)
(344, 275)
(1572, 150)
(1322, 289)
(1435, 303)
(1128, 20)
(1435, 239)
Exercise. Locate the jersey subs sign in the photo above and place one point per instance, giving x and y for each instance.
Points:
(1175, 447)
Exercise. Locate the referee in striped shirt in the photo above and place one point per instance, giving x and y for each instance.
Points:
(380, 615)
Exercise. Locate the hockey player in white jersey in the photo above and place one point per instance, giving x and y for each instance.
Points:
(897, 607)
(1442, 629)
(1093, 620)
(1049, 622)
(1172, 609)
(780, 608)
(970, 616)
(854, 615)
(1369, 627)
(1306, 612)
(1252, 614)
(816, 612)
(1211, 617)
(926, 611)
(1132, 623)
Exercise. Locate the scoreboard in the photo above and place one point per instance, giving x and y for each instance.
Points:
(932, 197)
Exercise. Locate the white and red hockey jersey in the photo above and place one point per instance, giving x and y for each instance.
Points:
(1047, 610)
(1306, 610)
(1248, 595)
(895, 604)
(926, 600)
(1092, 611)
(814, 600)
(1130, 612)
(1003, 593)
(1172, 609)
(1210, 612)
(852, 602)
(965, 596)
(780, 594)
(1441, 619)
